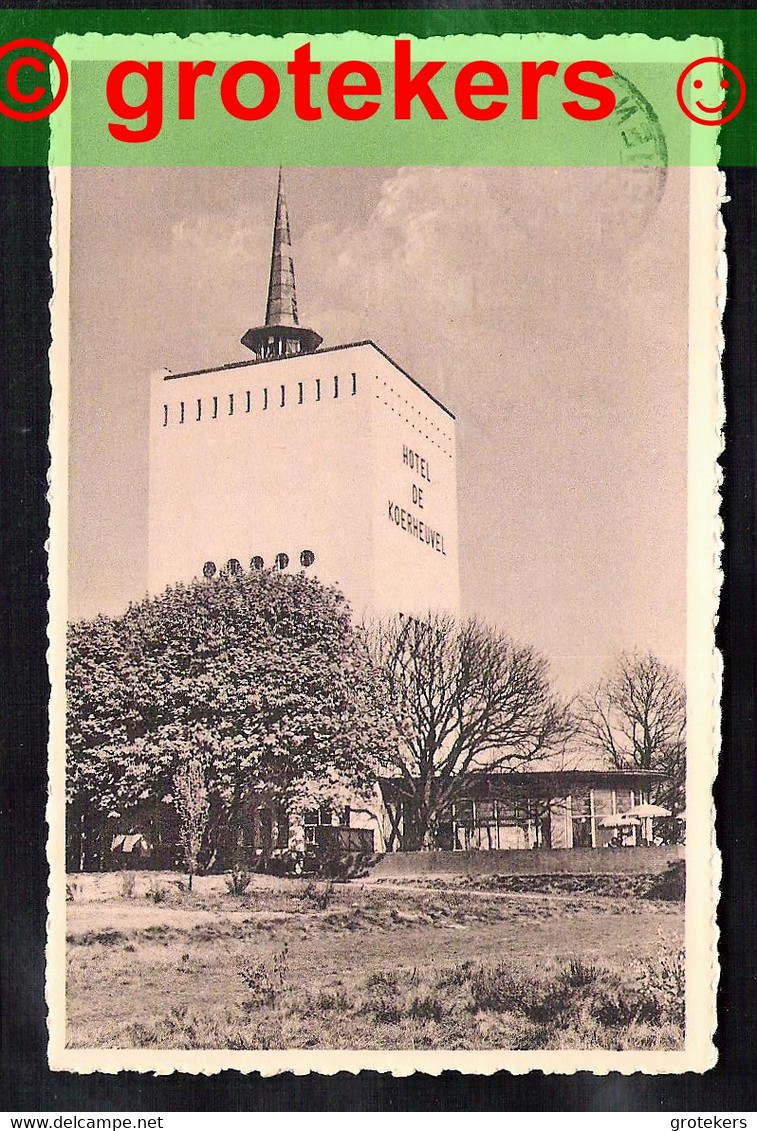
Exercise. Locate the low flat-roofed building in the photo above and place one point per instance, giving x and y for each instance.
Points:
(529, 809)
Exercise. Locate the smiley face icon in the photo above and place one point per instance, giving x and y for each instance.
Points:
(720, 91)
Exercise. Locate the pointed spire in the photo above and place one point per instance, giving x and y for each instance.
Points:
(282, 335)
(281, 309)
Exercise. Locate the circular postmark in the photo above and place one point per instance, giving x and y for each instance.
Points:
(625, 184)
(641, 146)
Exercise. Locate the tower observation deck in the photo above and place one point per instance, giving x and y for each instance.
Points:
(282, 335)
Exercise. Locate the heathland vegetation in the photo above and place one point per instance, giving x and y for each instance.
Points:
(310, 964)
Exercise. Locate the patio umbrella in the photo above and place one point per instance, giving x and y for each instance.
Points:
(615, 820)
(646, 810)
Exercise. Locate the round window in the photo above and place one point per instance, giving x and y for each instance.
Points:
(282, 561)
(208, 569)
(256, 562)
(307, 557)
(233, 567)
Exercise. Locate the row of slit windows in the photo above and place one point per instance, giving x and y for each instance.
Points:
(243, 402)
(234, 568)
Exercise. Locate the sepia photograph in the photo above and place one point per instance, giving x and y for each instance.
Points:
(385, 716)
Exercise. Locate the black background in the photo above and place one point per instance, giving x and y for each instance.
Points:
(26, 1084)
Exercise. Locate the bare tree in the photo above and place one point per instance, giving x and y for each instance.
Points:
(464, 697)
(193, 806)
(636, 717)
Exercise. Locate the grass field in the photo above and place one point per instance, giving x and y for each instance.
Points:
(397, 964)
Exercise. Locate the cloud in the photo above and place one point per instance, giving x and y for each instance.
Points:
(546, 307)
(530, 302)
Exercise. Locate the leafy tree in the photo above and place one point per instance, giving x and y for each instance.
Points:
(636, 717)
(464, 697)
(191, 801)
(260, 677)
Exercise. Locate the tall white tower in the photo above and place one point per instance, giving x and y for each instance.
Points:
(333, 461)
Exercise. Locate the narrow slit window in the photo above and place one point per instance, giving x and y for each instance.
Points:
(165, 415)
(300, 392)
(317, 388)
(181, 412)
(283, 395)
(199, 408)
(354, 383)
(215, 407)
(265, 398)
(336, 386)
(231, 404)
(249, 402)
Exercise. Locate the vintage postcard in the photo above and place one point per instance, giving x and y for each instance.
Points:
(385, 555)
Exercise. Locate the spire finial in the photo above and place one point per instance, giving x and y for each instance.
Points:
(282, 335)
(281, 308)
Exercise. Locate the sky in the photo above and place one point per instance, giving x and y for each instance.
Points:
(547, 308)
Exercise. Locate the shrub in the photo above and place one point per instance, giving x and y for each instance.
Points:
(502, 988)
(545, 999)
(654, 995)
(156, 892)
(670, 885)
(257, 979)
(456, 975)
(579, 973)
(354, 919)
(158, 932)
(238, 880)
(386, 1008)
(560, 996)
(281, 966)
(661, 985)
(333, 1000)
(383, 1000)
(317, 895)
(340, 865)
(428, 1008)
(617, 1006)
(651, 994)
(106, 937)
(284, 862)
(182, 1029)
(264, 983)
(383, 980)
